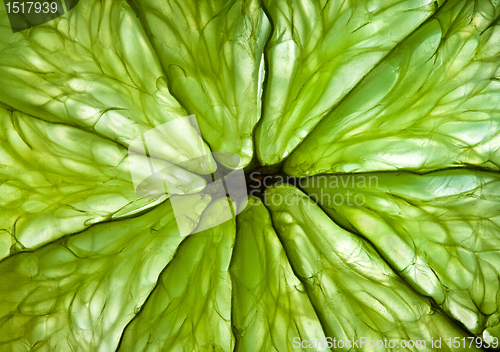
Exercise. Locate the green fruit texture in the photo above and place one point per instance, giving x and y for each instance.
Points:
(369, 136)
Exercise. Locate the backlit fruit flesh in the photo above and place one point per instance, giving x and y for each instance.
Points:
(369, 133)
